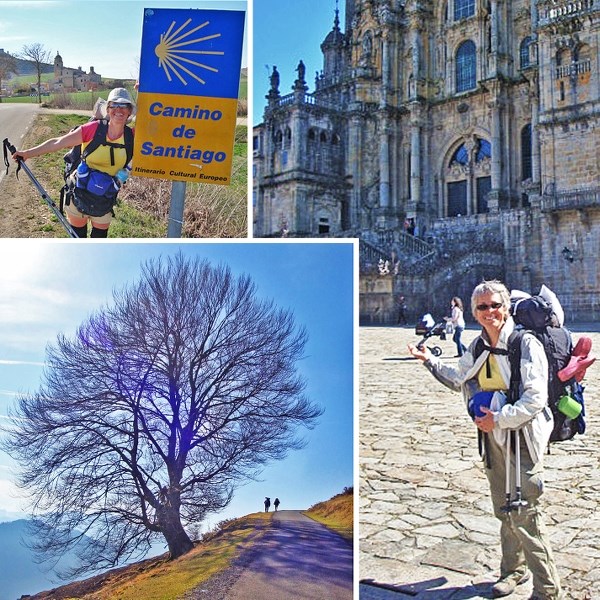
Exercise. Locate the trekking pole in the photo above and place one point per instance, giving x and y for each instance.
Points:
(518, 502)
(40, 189)
(508, 506)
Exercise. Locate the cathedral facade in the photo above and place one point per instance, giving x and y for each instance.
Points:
(458, 139)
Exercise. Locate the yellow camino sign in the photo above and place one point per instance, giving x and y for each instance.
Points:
(187, 101)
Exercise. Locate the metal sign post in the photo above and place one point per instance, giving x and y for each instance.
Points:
(176, 209)
(187, 102)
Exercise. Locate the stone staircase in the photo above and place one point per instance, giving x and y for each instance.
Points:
(393, 246)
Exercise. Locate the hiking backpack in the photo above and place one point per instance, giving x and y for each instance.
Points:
(535, 316)
(75, 156)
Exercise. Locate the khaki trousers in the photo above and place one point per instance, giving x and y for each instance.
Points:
(523, 535)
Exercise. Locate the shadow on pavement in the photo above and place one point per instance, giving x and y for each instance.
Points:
(424, 589)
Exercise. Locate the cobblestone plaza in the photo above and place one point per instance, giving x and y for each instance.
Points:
(426, 525)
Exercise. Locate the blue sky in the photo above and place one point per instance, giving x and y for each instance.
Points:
(105, 34)
(284, 33)
(49, 288)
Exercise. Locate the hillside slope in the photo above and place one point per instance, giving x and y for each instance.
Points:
(211, 565)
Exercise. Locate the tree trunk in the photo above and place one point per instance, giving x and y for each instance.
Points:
(177, 539)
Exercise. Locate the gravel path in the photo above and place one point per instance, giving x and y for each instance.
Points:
(296, 559)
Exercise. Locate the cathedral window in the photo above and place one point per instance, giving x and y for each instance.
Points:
(524, 52)
(461, 156)
(484, 150)
(324, 225)
(526, 170)
(466, 66)
(463, 9)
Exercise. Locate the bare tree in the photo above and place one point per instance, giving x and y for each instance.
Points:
(148, 418)
(8, 64)
(39, 56)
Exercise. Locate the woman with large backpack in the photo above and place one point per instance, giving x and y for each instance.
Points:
(96, 182)
(515, 426)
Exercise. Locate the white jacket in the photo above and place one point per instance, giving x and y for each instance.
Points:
(530, 412)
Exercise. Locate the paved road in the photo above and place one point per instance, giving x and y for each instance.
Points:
(426, 524)
(15, 119)
(298, 559)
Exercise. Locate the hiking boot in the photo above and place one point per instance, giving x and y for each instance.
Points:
(507, 585)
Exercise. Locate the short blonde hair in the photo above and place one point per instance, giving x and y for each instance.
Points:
(492, 286)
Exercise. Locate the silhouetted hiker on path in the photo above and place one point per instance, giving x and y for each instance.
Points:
(267, 504)
(276, 503)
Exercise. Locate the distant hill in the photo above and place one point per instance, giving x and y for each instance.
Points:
(19, 574)
(27, 67)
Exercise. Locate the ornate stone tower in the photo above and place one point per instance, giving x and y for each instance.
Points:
(58, 66)
(300, 181)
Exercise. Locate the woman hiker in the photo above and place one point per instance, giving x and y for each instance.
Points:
(94, 201)
(524, 541)
(458, 324)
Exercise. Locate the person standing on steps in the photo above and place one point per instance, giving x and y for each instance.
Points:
(524, 541)
(96, 182)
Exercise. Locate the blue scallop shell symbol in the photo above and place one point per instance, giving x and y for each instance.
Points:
(182, 57)
(193, 52)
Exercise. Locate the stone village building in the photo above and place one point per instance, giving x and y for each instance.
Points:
(73, 80)
(458, 139)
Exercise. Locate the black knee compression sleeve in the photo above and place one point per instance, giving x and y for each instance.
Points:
(99, 233)
(80, 231)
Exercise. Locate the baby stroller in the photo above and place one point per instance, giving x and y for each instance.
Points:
(427, 327)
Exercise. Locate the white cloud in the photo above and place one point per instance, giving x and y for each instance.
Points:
(30, 4)
(12, 499)
(19, 362)
(7, 393)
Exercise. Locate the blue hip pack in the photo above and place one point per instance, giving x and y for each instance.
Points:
(98, 183)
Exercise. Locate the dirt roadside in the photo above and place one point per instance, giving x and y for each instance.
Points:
(23, 213)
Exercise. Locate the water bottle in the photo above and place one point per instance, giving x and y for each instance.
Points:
(83, 172)
(122, 175)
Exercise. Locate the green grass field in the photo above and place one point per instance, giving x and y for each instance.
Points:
(84, 98)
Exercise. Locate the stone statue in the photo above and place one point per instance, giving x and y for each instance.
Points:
(301, 71)
(274, 80)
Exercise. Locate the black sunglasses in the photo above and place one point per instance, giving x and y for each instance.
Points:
(494, 305)
(119, 105)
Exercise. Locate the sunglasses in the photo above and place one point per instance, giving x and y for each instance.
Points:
(494, 305)
(119, 105)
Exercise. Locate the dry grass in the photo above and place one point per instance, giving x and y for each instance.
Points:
(336, 513)
(210, 210)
